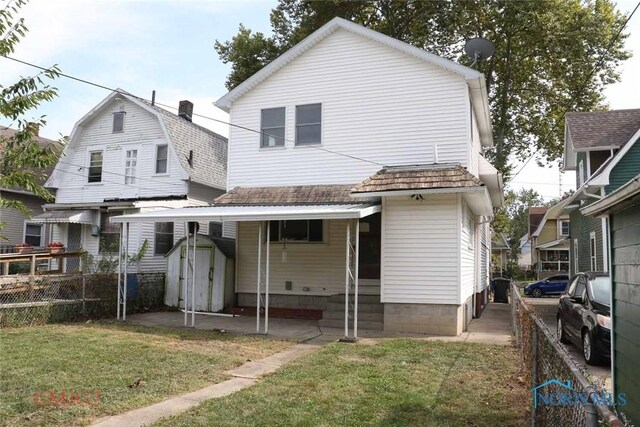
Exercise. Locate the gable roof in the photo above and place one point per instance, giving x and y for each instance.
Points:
(601, 176)
(210, 149)
(499, 241)
(475, 79)
(419, 177)
(287, 196)
(535, 217)
(554, 212)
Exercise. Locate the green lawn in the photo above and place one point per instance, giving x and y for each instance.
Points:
(106, 358)
(396, 383)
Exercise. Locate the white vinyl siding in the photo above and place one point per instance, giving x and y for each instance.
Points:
(143, 133)
(377, 103)
(420, 250)
(319, 267)
(467, 253)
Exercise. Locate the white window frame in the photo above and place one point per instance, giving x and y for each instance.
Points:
(593, 251)
(122, 113)
(284, 128)
(134, 177)
(89, 152)
(155, 236)
(295, 125)
(560, 223)
(155, 160)
(42, 229)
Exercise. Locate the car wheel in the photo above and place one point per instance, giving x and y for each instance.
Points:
(561, 335)
(536, 293)
(591, 355)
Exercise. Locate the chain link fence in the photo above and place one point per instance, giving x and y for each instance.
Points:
(29, 300)
(561, 393)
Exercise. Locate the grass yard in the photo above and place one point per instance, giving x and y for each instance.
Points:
(396, 383)
(106, 358)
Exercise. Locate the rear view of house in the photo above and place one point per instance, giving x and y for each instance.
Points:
(128, 156)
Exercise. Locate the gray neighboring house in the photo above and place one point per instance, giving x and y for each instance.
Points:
(18, 227)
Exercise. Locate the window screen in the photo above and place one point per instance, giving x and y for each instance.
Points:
(162, 152)
(272, 127)
(118, 121)
(33, 234)
(308, 124)
(95, 166)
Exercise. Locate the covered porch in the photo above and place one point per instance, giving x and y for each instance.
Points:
(267, 225)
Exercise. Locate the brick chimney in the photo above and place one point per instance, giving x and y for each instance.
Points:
(185, 110)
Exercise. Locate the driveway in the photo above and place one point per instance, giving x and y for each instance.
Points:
(547, 308)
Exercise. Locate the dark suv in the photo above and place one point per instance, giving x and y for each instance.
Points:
(584, 316)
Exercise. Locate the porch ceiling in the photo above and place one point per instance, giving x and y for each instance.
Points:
(252, 213)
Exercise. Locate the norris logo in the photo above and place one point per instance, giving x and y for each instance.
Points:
(568, 396)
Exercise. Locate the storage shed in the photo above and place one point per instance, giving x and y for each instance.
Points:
(214, 271)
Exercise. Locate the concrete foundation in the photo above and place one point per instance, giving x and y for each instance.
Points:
(308, 302)
(432, 319)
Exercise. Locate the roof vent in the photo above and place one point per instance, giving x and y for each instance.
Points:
(185, 110)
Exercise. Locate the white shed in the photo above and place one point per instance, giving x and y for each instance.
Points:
(213, 274)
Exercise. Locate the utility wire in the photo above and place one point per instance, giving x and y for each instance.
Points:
(196, 115)
(584, 85)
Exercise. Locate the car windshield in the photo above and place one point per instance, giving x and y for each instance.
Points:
(601, 289)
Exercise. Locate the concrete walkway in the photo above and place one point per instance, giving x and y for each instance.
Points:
(243, 376)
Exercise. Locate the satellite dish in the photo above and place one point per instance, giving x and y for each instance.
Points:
(479, 49)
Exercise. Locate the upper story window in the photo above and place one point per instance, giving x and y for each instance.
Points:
(297, 231)
(272, 127)
(118, 121)
(564, 228)
(308, 124)
(95, 166)
(162, 156)
(130, 166)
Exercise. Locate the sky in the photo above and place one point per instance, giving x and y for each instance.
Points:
(167, 46)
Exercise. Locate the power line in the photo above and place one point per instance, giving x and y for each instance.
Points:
(196, 115)
(584, 84)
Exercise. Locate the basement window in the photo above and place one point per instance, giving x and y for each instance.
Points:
(297, 231)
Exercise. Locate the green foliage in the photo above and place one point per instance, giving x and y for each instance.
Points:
(107, 262)
(24, 159)
(545, 50)
(513, 217)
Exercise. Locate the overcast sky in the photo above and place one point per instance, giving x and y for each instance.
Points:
(167, 45)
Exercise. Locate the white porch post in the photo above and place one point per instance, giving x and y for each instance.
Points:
(119, 295)
(259, 277)
(193, 278)
(126, 259)
(346, 281)
(355, 274)
(186, 273)
(266, 280)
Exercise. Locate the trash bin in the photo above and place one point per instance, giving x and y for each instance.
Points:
(500, 288)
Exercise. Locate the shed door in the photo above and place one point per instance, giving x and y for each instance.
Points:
(203, 278)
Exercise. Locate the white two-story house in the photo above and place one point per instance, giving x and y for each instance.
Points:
(366, 178)
(128, 156)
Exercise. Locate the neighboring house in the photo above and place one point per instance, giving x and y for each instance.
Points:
(621, 210)
(18, 227)
(550, 242)
(524, 255)
(360, 130)
(500, 249)
(594, 143)
(128, 156)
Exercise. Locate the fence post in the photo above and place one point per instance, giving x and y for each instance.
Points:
(534, 369)
(84, 307)
(591, 414)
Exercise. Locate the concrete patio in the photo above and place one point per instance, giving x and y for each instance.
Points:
(493, 327)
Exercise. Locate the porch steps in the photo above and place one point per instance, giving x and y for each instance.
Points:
(370, 313)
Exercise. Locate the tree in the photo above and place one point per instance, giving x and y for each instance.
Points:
(513, 217)
(546, 52)
(22, 159)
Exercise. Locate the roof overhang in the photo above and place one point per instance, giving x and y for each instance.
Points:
(555, 245)
(493, 180)
(252, 213)
(615, 200)
(66, 217)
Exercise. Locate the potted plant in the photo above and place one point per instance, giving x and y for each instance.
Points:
(56, 247)
(24, 248)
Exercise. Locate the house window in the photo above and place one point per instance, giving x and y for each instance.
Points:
(575, 256)
(95, 166)
(580, 173)
(215, 229)
(109, 232)
(308, 124)
(163, 238)
(130, 166)
(33, 234)
(272, 127)
(592, 251)
(162, 152)
(564, 228)
(297, 231)
(118, 121)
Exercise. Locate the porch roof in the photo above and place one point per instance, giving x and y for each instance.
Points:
(252, 213)
(555, 245)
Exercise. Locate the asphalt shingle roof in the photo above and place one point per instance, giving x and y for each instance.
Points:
(419, 177)
(292, 195)
(605, 129)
